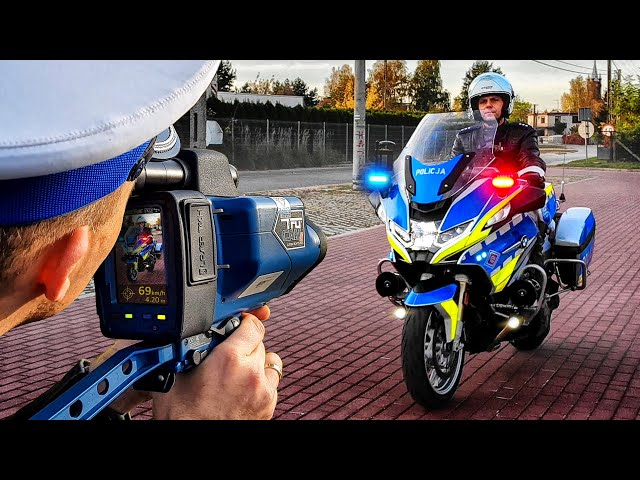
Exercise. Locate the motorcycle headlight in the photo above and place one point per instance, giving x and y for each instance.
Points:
(424, 234)
(400, 233)
(452, 233)
(501, 215)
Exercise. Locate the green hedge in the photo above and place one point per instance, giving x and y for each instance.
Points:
(259, 111)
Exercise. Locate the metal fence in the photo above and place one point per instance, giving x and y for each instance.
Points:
(269, 145)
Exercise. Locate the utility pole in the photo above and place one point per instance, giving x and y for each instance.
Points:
(535, 117)
(359, 124)
(612, 137)
(608, 91)
(198, 117)
(384, 90)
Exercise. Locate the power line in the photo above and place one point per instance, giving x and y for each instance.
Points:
(557, 68)
(572, 64)
(600, 67)
(630, 66)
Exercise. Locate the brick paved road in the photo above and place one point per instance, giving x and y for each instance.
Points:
(341, 346)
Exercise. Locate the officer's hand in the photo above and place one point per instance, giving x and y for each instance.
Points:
(534, 179)
(231, 383)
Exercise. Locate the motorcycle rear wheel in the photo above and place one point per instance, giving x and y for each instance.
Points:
(431, 369)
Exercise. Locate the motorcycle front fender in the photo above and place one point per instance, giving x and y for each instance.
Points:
(442, 300)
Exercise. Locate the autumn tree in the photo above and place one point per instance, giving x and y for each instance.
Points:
(272, 86)
(225, 75)
(260, 86)
(426, 88)
(339, 88)
(478, 67)
(388, 85)
(579, 97)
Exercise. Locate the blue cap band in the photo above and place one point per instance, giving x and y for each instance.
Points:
(29, 200)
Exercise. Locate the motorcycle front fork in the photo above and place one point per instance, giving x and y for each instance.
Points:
(464, 280)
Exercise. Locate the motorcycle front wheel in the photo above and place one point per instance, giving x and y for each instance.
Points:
(132, 272)
(432, 369)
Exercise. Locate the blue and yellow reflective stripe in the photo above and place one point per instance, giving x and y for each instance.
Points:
(451, 309)
(450, 250)
(476, 235)
(549, 189)
(398, 248)
(501, 276)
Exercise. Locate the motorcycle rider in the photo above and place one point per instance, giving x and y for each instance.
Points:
(515, 144)
(139, 231)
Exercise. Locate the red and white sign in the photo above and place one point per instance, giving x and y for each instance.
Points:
(608, 129)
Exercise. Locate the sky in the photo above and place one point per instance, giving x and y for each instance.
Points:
(540, 82)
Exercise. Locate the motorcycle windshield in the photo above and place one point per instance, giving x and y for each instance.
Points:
(445, 153)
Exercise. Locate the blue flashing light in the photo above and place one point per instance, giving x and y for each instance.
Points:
(484, 254)
(377, 178)
(478, 258)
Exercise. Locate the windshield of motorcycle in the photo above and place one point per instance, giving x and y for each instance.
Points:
(445, 153)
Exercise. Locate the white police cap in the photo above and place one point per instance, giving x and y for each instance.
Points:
(60, 115)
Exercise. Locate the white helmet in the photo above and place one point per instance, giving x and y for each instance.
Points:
(491, 83)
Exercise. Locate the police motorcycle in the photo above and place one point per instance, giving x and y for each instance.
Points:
(141, 251)
(478, 256)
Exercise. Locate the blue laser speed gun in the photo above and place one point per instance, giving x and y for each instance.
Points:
(216, 254)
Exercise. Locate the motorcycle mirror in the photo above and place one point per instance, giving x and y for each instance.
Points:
(385, 153)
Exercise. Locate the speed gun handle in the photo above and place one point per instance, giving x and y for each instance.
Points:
(217, 335)
(190, 354)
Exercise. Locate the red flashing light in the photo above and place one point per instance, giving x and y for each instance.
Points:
(502, 182)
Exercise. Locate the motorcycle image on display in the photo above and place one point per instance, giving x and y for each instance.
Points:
(141, 255)
(478, 256)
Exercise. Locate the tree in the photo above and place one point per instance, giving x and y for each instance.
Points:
(426, 88)
(260, 86)
(281, 88)
(625, 108)
(339, 88)
(226, 75)
(559, 127)
(521, 110)
(302, 89)
(478, 67)
(388, 84)
(579, 97)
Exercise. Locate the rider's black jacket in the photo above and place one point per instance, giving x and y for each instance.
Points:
(515, 145)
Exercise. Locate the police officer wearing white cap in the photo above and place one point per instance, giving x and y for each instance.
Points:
(74, 135)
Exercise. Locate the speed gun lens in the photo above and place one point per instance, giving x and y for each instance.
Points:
(502, 182)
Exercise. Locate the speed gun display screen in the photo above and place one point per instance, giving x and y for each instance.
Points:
(141, 275)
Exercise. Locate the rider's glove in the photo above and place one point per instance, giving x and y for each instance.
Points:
(534, 179)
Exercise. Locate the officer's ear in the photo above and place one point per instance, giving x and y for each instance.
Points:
(59, 260)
